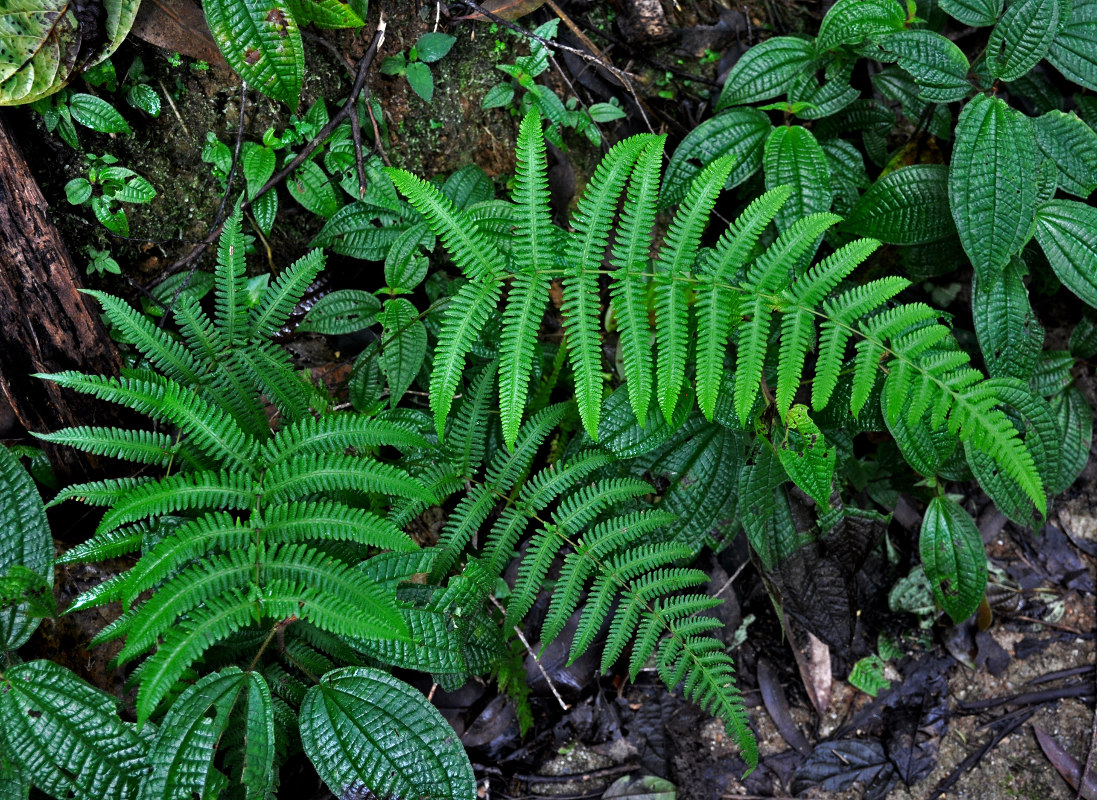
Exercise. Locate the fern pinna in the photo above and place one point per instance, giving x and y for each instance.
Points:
(253, 526)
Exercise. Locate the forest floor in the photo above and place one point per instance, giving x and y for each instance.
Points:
(958, 719)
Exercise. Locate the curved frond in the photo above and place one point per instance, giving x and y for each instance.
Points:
(144, 447)
(310, 474)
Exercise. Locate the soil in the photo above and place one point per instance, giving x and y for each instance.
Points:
(614, 731)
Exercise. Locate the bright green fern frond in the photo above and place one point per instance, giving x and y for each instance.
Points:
(586, 248)
(675, 259)
(470, 250)
(283, 294)
(310, 474)
(230, 283)
(540, 554)
(534, 238)
(193, 539)
(207, 427)
(187, 492)
(167, 354)
(810, 289)
(734, 249)
(337, 432)
(630, 256)
(320, 521)
(98, 493)
(774, 269)
(201, 335)
(270, 370)
(467, 431)
(109, 545)
(214, 576)
(751, 355)
(465, 315)
(144, 447)
(506, 469)
(517, 344)
(583, 506)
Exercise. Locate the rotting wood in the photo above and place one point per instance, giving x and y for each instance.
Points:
(46, 325)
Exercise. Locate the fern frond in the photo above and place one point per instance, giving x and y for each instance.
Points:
(751, 355)
(310, 474)
(717, 308)
(98, 493)
(270, 370)
(163, 351)
(534, 238)
(319, 521)
(337, 432)
(675, 260)
(466, 435)
(465, 315)
(517, 343)
(630, 255)
(207, 427)
(476, 256)
(108, 545)
(216, 531)
(144, 447)
(202, 337)
(586, 247)
(283, 294)
(186, 492)
(230, 283)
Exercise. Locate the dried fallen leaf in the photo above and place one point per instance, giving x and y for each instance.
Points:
(508, 9)
(179, 26)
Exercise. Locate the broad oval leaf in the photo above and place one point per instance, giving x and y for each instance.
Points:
(953, 557)
(906, 206)
(938, 66)
(992, 182)
(766, 70)
(793, 157)
(403, 345)
(1010, 336)
(1075, 417)
(853, 21)
(342, 311)
(65, 735)
(740, 131)
(1067, 230)
(26, 542)
(182, 753)
(1072, 146)
(979, 13)
(1074, 50)
(366, 731)
(96, 113)
(1022, 37)
(261, 41)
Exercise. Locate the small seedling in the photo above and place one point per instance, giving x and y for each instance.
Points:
(101, 262)
(431, 47)
(105, 188)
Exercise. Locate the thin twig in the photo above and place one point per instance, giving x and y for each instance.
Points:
(171, 105)
(359, 82)
(582, 777)
(529, 649)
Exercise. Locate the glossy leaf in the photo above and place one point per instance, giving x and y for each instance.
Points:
(1010, 336)
(1072, 146)
(766, 70)
(1074, 50)
(96, 113)
(991, 182)
(853, 21)
(979, 13)
(1067, 231)
(1075, 417)
(1022, 37)
(403, 346)
(26, 542)
(260, 40)
(366, 731)
(906, 206)
(938, 66)
(793, 158)
(741, 132)
(953, 558)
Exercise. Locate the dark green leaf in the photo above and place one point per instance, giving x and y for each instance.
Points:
(403, 345)
(95, 113)
(420, 80)
(766, 70)
(906, 206)
(939, 67)
(1010, 336)
(793, 157)
(261, 41)
(953, 558)
(433, 46)
(1067, 231)
(1075, 417)
(973, 12)
(1022, 37)
(342, 311)
(740, 131)
(1072, 146)
(1074, 50)
(853, 21)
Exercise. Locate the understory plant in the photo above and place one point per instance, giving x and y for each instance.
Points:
(691, 380)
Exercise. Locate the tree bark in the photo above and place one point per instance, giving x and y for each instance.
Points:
(46, 325)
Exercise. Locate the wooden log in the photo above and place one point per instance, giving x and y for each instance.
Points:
(46, 325)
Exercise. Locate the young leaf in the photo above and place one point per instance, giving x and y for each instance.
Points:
(97, 114)
(421, 80)
(1067, 230)
(992, 182)
(793, 157)
(953, 557)
(1022, 37)
(366, 731)
(766, 70)
(261, 41)
(433, 46)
